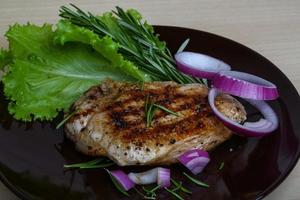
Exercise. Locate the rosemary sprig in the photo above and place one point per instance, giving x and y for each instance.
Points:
(97, 163)
(137, 40)
(150, 109)
(197, 182)
(65, 119)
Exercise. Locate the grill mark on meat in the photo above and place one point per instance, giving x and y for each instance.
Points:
(120, 117)
(179, 130)
(184, 126)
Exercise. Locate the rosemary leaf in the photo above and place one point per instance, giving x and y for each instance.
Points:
(155, 188)
(150, 114)
(183, 189)
(90, 163)
(174, 194)
(177, 187)
(183, 45)
(65, 119)
(221, 166)
(102, 165)
(197, 182)
(144, 196)
(150, 193)
(166, 110)
(146, 103)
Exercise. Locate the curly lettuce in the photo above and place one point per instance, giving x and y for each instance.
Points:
(44, 78)
(68, 32)
(5, 58)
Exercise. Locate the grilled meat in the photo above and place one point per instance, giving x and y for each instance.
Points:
(110, 121)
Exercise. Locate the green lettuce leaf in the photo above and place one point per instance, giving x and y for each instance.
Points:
(45, 78)
(5, 58)
(68, 32)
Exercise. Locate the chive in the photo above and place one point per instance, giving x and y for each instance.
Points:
(174, 194)
(221, 166)
(197, 182)
(65, 120)
(116, 183)
(183, 189)
(166, 110)
(183, 45)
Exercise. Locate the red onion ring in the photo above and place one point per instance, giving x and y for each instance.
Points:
(249, 129)
(199, 65)
(245, 85)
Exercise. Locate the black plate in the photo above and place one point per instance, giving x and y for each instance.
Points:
(32, 155)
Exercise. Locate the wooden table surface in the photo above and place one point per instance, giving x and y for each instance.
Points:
(271, 28)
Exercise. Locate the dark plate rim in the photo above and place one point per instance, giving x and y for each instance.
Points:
(22, 195)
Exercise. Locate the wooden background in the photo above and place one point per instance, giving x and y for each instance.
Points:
(270, 27)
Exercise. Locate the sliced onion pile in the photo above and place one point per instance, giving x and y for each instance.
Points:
(195, 160)
(254, 89)
(159, 175)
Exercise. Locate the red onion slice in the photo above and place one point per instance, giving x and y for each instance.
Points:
(249, 129)
(199, 65)
(143, 178)
(163, 177)
(159, 175)
(122, 179)
(195, 160)
(245, 85)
